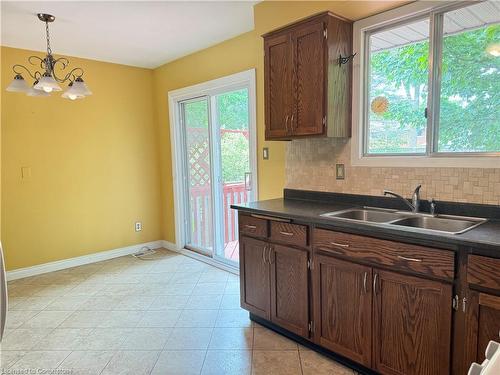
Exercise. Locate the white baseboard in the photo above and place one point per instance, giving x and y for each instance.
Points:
(81, 260)
(203, 258)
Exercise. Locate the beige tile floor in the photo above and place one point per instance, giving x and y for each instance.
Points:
(168, 315)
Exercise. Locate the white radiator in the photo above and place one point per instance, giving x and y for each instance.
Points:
(491, 365)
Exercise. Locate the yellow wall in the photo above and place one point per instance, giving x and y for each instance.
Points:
(102, 163)
(94, 165)
(232, 56)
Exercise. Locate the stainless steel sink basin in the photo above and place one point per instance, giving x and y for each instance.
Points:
(370, 215)
(411, 221)
(447, 224)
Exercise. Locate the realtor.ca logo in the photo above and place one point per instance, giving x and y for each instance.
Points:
(36, 371)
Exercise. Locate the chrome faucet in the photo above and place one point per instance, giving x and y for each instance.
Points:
(415, 199)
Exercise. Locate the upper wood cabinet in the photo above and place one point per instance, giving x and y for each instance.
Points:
(307, 90)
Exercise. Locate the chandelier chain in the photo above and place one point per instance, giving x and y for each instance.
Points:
(49, 50)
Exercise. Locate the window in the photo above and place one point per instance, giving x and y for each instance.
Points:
(432, 83)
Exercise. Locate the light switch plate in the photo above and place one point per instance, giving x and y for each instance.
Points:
(265, 153)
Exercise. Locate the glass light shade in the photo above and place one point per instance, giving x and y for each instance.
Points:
(47, 83)
(72, 94)
(33, 92)
(18, 84)
(80, 87)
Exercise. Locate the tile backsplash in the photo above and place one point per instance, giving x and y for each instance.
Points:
(310, 165)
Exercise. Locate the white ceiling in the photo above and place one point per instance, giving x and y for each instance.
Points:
(140, 33)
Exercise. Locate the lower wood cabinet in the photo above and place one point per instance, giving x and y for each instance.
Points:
(488, 322)
(393, 323)
(385, 320)
(343, 307)
(411, 325)
(274, 283)
(290, 289)
(255, 284)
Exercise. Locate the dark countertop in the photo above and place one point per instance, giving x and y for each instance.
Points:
(484, 239)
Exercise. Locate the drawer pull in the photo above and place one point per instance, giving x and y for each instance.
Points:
(248, 226)
(286, 233)
(339, 244)
(409, 259)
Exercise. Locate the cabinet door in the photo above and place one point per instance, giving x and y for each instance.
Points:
(290, 289)
(254, 276)
(310, 77)
(487, 325)
(412, 325)
(342, 307)
(278, 66)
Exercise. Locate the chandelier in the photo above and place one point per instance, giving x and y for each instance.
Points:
(46, 80)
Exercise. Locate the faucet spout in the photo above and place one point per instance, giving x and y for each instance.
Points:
(411, 206)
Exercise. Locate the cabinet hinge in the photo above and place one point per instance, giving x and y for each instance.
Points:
(309, 264)
(325, 33)
(454, 302)
(311, 326)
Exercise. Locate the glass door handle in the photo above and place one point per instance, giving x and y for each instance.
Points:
(248, 181)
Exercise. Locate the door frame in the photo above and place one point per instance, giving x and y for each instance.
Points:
(245, 79)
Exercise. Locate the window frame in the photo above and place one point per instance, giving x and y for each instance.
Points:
(363, 29)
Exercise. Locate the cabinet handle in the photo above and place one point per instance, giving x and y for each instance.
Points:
(286, 124)
(251, 227)
(409, 259)
(375, 278)
(291, 120)
(264, 255)
(269, 256)
(339, 244)
(286, 233)
(364, 282)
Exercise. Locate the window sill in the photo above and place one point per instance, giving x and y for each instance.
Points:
(426, 161)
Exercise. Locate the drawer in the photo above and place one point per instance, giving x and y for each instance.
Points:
(252, 226)
(397, 255)
(483, 271)
(290, 233)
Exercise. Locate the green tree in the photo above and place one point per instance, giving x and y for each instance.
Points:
(470, 89)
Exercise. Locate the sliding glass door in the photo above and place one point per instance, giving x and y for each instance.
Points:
(216, 136)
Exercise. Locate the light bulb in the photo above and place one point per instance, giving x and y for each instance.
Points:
(72, 96)
(47, 89)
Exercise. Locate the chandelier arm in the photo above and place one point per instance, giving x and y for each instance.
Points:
(73, 73)
(40, 63)
(64, 62)
(19, 66)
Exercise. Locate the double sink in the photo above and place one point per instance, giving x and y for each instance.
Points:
(418, 221)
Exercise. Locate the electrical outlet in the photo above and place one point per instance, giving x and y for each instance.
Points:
(339, 171)
(138, 226)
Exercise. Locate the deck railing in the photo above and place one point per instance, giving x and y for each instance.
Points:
(201, 220)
